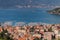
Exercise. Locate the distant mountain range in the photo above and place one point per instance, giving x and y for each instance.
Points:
(14, 3)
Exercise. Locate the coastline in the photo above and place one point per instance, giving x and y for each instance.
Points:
(25, 23)
(31, 32)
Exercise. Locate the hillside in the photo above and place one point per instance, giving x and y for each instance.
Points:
(55, 11)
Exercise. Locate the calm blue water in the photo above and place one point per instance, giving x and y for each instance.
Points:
(28, 15)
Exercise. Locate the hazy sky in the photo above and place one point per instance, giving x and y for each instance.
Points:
(54, 2)
(13, 3)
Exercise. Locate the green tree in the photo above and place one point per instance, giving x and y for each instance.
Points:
(4, 35)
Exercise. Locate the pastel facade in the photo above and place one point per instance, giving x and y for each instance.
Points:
(24, 33)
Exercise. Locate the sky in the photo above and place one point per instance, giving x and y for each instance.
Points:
(14, 3)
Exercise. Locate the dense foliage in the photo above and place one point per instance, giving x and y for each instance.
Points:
(4, 35)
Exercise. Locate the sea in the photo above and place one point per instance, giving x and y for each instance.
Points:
(28, 15)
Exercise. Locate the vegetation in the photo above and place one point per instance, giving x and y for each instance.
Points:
(32, 29)
(4, 35)
(37, 39)
(54, 11)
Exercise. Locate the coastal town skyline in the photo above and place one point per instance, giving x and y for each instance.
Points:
(29, 19)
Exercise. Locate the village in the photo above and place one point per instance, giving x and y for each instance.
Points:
(28, 32)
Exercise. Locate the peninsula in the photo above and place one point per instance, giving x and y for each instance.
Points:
(54, 11)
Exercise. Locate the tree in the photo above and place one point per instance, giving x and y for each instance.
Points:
(4, 35)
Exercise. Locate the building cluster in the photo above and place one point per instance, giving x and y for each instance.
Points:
(36, 32)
